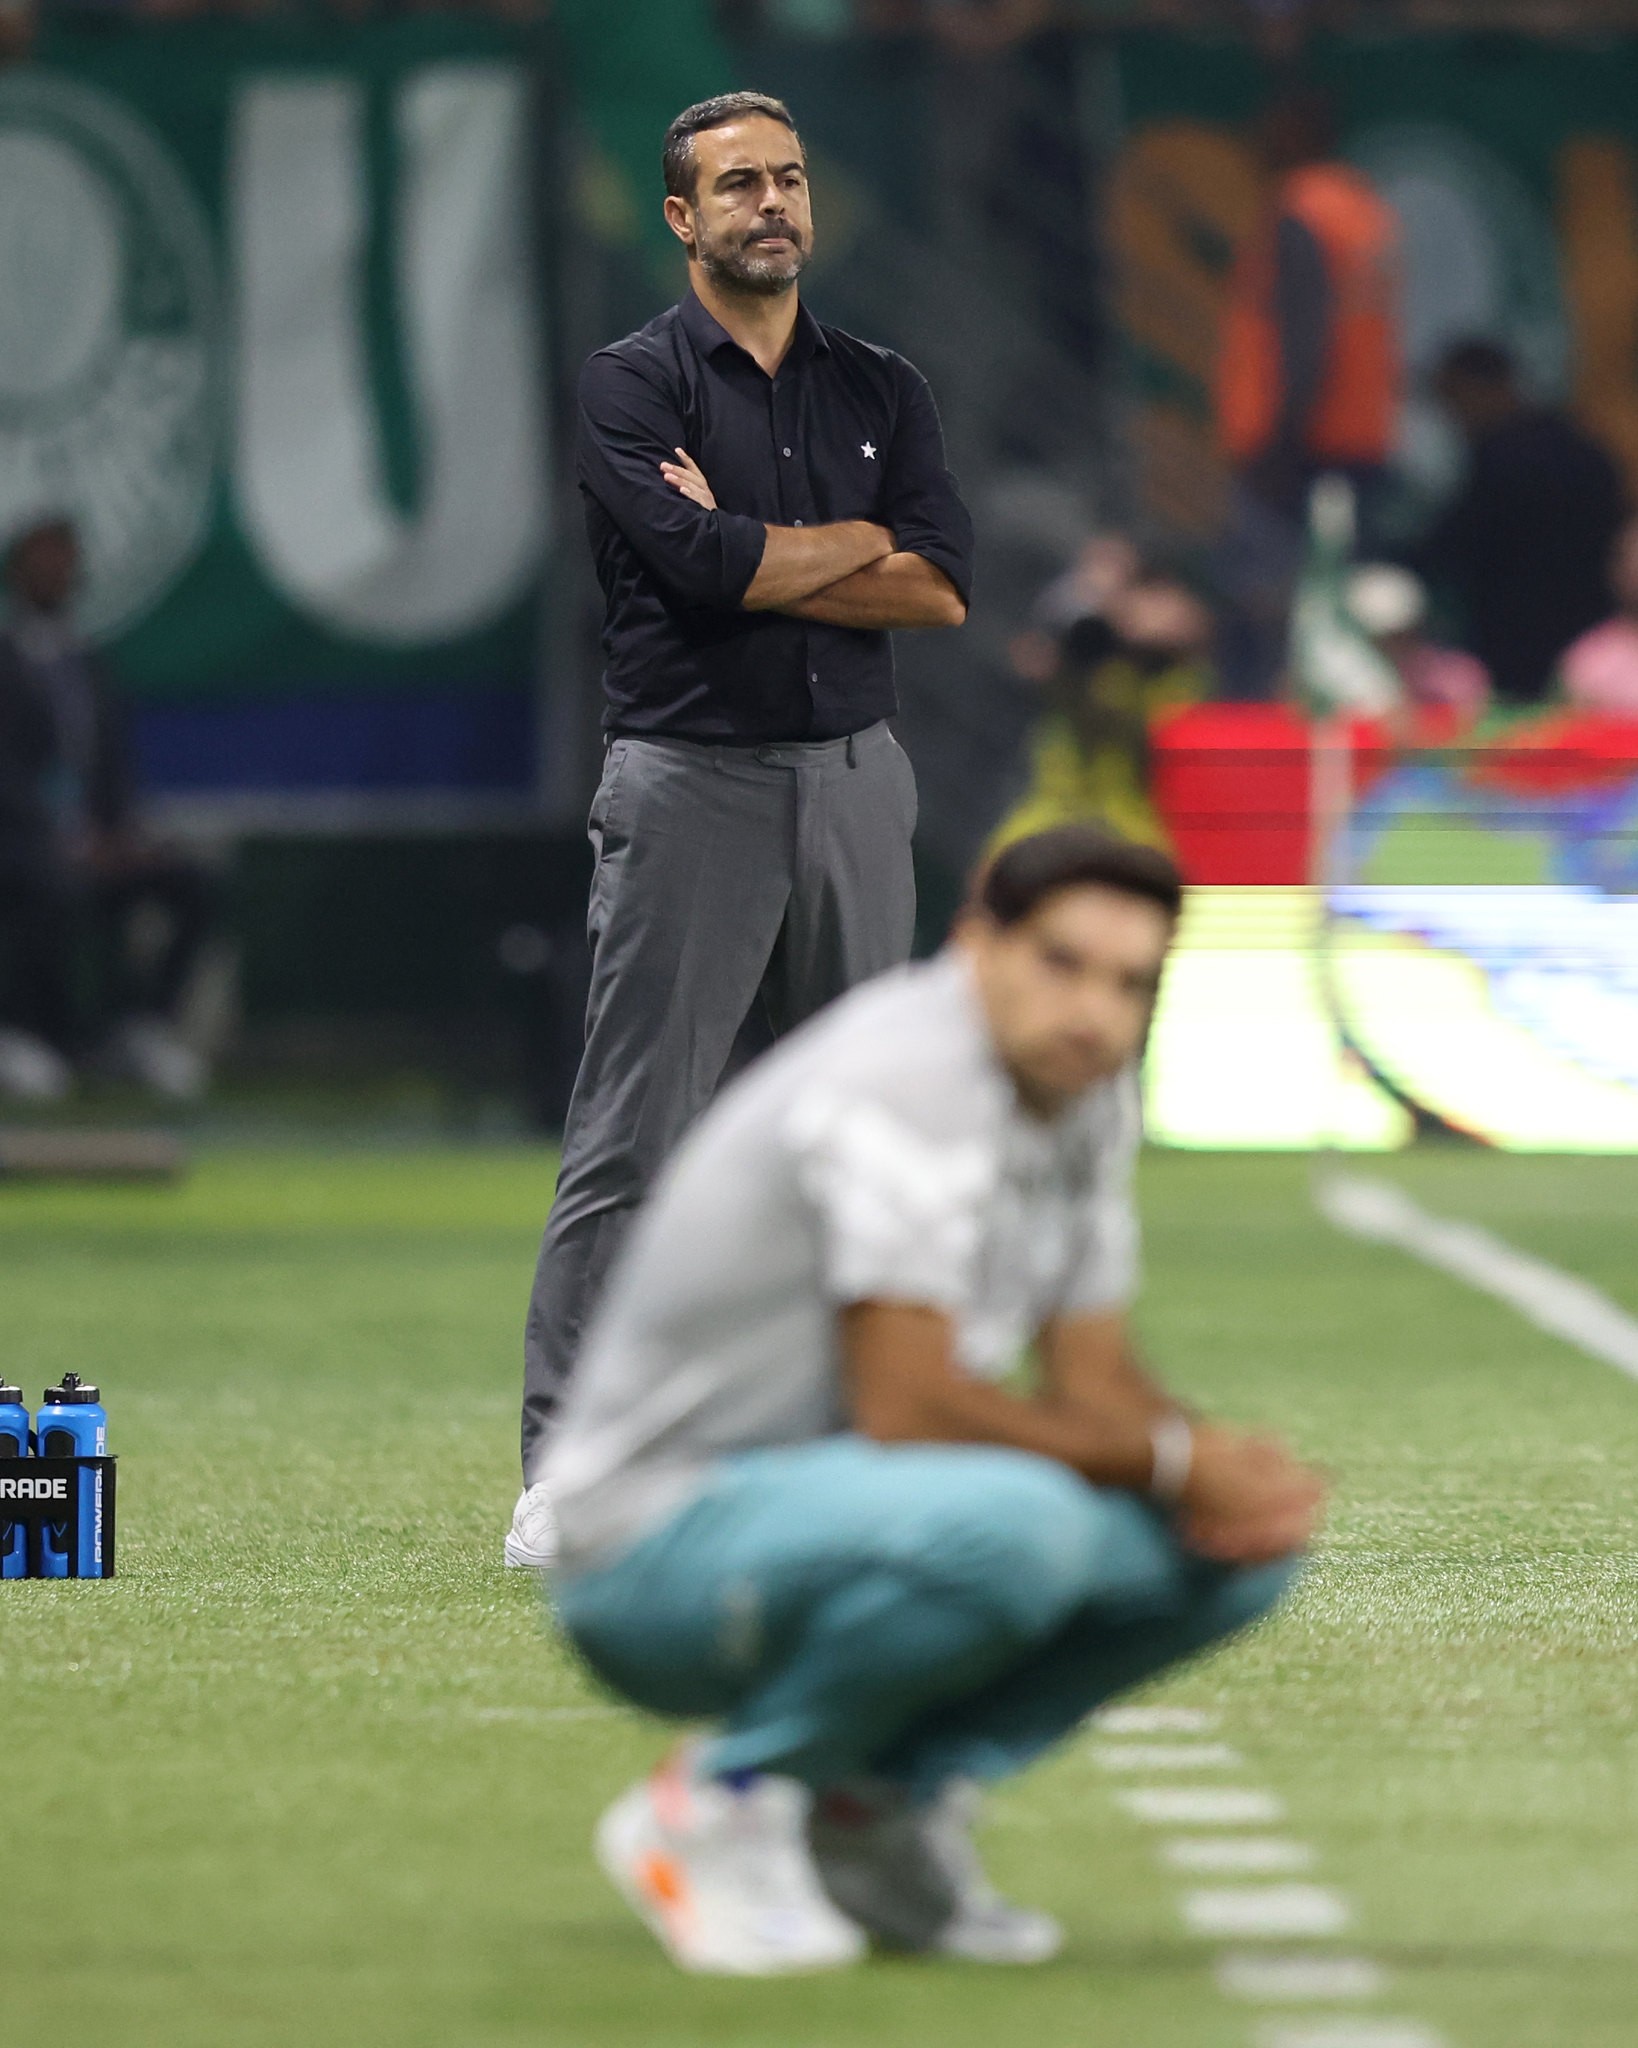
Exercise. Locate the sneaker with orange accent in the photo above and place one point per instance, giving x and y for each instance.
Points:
(722, 1874)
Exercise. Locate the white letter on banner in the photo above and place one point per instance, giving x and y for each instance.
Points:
(311, 491)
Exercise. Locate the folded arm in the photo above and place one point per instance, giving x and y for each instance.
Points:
(629, 426)
(797, 561)
(901, 590)
(803, 565)
(926, 580)
(857, 573)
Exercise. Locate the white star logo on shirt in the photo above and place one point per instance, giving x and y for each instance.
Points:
(868, 450)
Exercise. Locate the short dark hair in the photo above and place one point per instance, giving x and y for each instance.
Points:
(677, 156)
(38, 527)
(1023, 875)
(1299, 125)
(1477, 360)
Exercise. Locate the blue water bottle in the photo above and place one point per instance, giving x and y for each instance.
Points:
(13, 1444)
(72, 1423)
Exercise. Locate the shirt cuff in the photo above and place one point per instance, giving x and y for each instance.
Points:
(743, 540)
(954, 561)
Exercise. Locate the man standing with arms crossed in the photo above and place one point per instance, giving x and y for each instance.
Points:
(766, 499)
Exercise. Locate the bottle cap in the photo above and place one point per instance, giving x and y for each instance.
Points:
(10, 1396)
(72, 1393)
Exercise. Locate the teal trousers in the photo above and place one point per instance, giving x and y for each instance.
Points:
(910, 1611)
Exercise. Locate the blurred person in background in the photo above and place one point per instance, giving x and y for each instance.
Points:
(766, 500)
(1309, 371)
(1103, 566)
(19, 22)
(78, 871)
(1526, 544)
(984, 28)
(802, 1494)
(1390, 604)
(1599, 671)
(1118, 672)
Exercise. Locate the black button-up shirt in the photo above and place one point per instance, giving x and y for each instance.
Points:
(843, 431)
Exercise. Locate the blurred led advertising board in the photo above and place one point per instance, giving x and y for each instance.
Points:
(1473, 966)
(1292, 1019)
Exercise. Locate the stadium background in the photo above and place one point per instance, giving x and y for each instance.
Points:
(338, 566)
(308, 1771)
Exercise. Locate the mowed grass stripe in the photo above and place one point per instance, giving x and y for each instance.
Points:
(313, 1772)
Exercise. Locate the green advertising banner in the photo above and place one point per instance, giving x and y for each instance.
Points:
(271, 332)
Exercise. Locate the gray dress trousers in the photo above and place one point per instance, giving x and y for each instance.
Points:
(724, 875)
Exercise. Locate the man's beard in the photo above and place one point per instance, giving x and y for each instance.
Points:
(733, 266)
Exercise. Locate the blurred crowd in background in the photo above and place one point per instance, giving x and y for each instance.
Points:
(975, 29)
(1512, 591)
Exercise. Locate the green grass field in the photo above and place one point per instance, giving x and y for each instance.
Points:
(311, 1772)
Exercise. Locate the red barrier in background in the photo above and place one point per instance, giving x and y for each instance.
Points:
(1232, 780)
(1232, 783)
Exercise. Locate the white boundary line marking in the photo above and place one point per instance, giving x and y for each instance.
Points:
(1166, 1756)
(1258, 1912)
(1553, 1300)
(1258, 1909)
(1238, 1855)
(1294, 1979)
(1351, 2033)
(1154, 1721)
(1226, 1806)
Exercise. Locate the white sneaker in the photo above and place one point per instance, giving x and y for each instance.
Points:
(531, 1542)
(912, 1876)
(722, 1876)
(148, 1051)
(31, 1070)
(985, 1927)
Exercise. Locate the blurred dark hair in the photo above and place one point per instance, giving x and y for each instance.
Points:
(1298, 125)
(39, 526)
(1024, 874)
(677, 155)
(1477, 361)
(1086, 642)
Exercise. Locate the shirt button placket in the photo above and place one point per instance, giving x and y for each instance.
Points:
(786, 401)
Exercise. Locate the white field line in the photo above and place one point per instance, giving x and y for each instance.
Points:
(1297, 1979)
(1237, 1855)
(1350, 2033)
(1263, 1909)
(1154, 1721)
(1227, 1806)
(1252, 1912)
(1166, 1756)
(1553, 1300)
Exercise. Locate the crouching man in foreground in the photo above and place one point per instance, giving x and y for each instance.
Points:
(799, 1498)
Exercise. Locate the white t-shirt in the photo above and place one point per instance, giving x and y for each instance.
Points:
(879, 1153)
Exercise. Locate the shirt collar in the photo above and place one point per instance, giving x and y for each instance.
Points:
(709, 335)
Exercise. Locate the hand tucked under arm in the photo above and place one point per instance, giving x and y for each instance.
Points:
(797, 561)
(901, 590)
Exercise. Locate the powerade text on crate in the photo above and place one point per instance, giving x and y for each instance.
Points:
(72, 1423)
(14, 1443)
